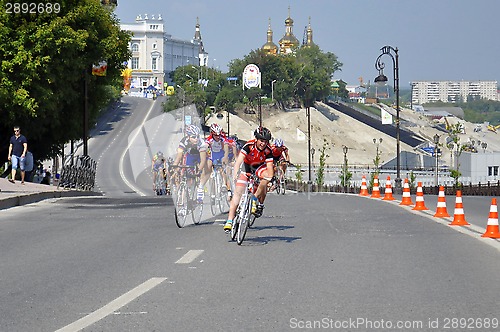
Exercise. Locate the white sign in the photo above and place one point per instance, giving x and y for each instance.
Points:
(251, 76)
(386, 116)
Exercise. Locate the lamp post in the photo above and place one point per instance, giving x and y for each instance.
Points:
(377, 156)
(308, 114)
(272, 89)
(345, 149)
(183, 108)
(436, 144)
(382, 79)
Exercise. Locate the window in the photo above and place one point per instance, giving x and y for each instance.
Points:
(155, 46)
(154, 63)
(135, 47)
(135, 63)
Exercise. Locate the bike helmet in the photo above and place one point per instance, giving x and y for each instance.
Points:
(262, 133)
(215, 129)
(279, 143)
(192, 130)
(159, 154)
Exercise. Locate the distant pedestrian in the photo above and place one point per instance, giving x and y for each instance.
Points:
(18, 148)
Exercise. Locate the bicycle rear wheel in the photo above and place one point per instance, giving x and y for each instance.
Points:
(196, 208)
(181, 206)
(283, 185)
(213, 196)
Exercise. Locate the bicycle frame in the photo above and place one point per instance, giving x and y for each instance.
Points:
(243, 212)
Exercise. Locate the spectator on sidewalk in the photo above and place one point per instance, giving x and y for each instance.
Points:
(17, 153)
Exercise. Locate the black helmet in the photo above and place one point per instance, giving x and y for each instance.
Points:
(262, 133)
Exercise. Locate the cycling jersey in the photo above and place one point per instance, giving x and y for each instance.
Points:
(192, 150)
(231, 143)
(254, 158)
(158, 162)
(278, 152)
(216, 147)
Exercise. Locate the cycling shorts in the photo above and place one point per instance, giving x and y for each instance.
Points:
(192, 159)
(214, 157)
(243, 178)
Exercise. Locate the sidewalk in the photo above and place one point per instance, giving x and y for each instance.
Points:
(16, 194)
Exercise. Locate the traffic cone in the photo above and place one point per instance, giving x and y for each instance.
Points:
(375, 190)
(458, 215)
(406, 200)
(441, 211)
(419, 199)
(364, 188)
(388, 190)
(492, 230)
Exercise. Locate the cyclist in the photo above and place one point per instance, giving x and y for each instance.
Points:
(256, 157)
(158, 164)
(192, 150)
(232, 142)
(218, 147)
(280, 155)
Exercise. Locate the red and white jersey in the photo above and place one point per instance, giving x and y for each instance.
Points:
(216, 146)
(278, 152)
(255, 157)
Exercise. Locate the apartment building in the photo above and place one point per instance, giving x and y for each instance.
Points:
(155, 53)
(452, 91)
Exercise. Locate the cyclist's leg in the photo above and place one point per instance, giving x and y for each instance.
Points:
(240, 187)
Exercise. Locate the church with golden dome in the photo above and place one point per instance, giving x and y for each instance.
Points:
(289, 42)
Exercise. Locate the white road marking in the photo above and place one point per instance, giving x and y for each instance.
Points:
(112, 306)
(122, 158)
(189, 256)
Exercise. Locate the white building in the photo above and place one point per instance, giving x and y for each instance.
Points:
(480, 167)
(424, 92)
(155, 53)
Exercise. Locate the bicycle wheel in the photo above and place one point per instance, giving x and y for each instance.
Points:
(181, 206)
(283, 185)
(236, 224)
(213, 194)
(251, 220)
(219, 195)
(197, 207)
(244, 221)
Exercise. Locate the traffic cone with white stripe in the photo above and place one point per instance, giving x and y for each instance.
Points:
(458, 215)
(376, 189)
(364, 188)
(406, 200)
(492, 230)
(388, 190)
(441, 210)
(419, 199)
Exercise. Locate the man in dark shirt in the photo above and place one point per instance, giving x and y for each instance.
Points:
(17, 153)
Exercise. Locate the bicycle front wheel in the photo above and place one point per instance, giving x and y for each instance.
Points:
(181, 206)
(244, 221)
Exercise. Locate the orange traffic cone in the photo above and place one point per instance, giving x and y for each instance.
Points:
(492, 229)
(458, 215)
(441, 211)
(406, 200)
(419, 199)
(388, 190)
(375, 190)
(364, 188)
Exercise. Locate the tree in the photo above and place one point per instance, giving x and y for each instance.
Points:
(44, 59)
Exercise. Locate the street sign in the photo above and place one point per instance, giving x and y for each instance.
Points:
(232, 78)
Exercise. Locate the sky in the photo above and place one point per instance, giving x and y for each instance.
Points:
(436, 39)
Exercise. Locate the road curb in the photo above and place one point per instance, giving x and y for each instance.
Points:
(19, 200)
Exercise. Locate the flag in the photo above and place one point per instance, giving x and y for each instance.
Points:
(386, 116)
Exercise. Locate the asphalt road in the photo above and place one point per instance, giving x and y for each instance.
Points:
(119, 262)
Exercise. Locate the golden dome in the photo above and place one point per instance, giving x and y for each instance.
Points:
(270, 46)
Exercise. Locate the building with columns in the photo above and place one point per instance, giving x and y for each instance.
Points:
(156, 53)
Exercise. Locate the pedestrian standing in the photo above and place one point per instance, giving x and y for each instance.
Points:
(17, 153)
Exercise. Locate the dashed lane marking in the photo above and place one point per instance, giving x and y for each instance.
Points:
(112, 306)
(189, 257)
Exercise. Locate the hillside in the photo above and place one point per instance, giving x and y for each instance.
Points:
(338, 130)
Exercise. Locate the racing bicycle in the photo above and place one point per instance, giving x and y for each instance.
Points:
(218, 197)
(244, 217)
(185, 196)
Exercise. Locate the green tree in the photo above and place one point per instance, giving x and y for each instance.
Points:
(320, 174)
(44, 58)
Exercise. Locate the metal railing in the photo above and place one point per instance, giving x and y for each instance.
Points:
(78, 173)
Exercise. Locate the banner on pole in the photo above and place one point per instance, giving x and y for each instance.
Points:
(251, 77)
(386, 116)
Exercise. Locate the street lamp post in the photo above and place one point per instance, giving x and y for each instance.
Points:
(382, 79)
(436, 144)
(183, 108)
(345, 149)
(377, 156)
(272, 89)
(308, 114)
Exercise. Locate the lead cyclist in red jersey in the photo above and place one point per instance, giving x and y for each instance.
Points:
(256, 157)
